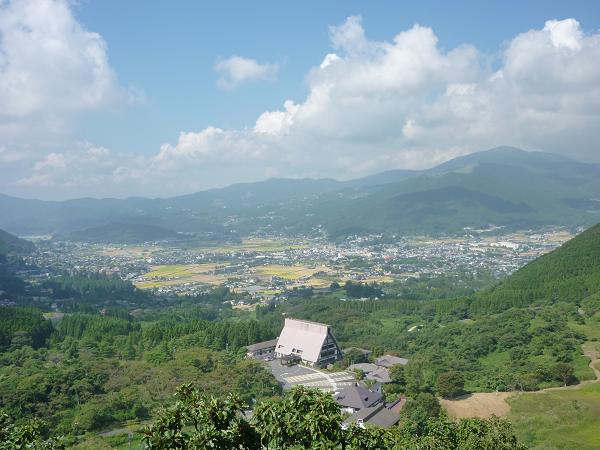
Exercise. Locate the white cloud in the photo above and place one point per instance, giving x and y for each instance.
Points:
(51, 69)
(237, 70)
(408, 103)
(375, 105)
(83, 166)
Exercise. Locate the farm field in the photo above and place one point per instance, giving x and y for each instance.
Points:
(295, 272)
(255, 245)
(172, 275)
(295, 275)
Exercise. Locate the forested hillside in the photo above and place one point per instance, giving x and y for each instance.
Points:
(119, 354)
(568, 274)
(12, 244)
(503, 186)
(122, 233)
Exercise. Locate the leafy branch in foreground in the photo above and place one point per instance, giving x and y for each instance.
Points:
(309, 419)
(25, 436)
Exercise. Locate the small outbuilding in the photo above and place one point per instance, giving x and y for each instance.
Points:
(261, 350)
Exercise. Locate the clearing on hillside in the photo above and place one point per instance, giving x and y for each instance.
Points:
(480, 404)
(558, 419)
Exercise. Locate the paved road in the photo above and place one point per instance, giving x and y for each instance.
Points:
(307, 376)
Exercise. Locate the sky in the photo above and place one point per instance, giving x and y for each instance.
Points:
(107, 98)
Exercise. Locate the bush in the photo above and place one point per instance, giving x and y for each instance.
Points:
(450, 384)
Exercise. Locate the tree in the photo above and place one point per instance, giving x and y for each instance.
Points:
(563, 372)
(420, 409)
(308, 418)
(415, 377)
(450, 384)
(25, 436)
(398, 375)
(304, 417)
(199, 422)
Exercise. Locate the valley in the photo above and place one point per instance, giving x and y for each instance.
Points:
(106, 323)
(268, 268)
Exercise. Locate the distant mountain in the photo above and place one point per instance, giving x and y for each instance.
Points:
(571, 273)
(387, 177)
(504, 186)
(12, 244)
(122, 233)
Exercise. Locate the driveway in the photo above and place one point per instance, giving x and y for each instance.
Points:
(297, 375)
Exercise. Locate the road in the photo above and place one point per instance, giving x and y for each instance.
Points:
(297, 375)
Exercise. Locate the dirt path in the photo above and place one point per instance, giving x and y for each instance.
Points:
(589, 350)
(125, 430)
(486, 404)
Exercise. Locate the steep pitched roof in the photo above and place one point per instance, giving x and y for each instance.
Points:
(303, 336)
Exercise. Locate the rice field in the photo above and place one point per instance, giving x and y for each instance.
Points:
(173, 275)
(291, 273)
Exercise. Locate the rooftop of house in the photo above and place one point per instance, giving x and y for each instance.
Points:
(376, 415)
(358, 350)
(262, 345)
(397, 405)
(390, 360)
(357, 397)
(365, 367)
(303, 338)
(381, 374)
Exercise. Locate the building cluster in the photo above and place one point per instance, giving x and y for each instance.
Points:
(358, 258)
(313, 344)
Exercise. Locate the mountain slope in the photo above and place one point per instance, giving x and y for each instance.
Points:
(122, 233)
(570, 273)
(12, 244)
(503, 186)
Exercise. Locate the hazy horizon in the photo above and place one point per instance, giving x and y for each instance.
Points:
(234, 183)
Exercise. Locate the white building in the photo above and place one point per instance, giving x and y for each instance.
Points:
(311, 342)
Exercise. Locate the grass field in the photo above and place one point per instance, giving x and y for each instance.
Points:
(480, 404)
(568, 419)
(291, 273)
(296, 275)
(172, 275)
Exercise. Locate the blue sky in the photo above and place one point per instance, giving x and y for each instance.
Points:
(114, 98)
(168, 49)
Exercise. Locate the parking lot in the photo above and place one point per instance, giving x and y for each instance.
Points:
(296, 375)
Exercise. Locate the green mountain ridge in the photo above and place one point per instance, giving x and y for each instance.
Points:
(13, 244)
(503, 186)
(571, 273)
(122, 233)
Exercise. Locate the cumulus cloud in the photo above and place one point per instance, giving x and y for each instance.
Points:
(405, 102)
(84, 165)
(50, 68)
(408, 103)
(237, 70)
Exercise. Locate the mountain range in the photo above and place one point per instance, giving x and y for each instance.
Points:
(504, 186)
